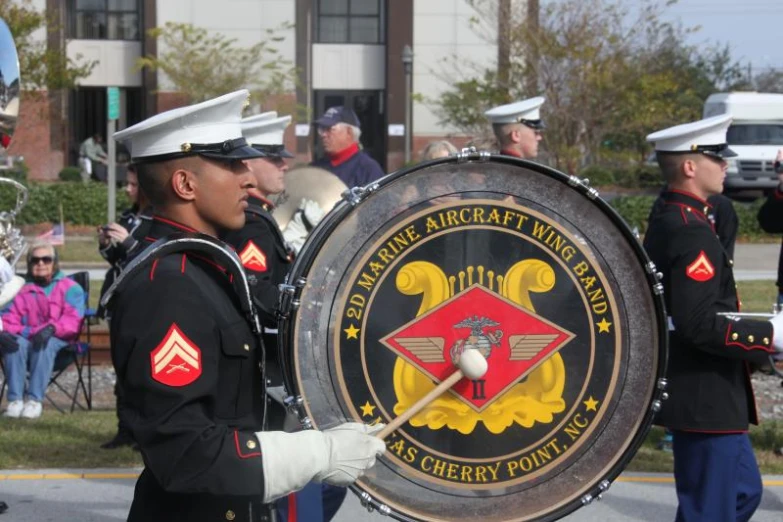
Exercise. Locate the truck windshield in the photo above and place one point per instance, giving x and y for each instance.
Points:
(755, 134)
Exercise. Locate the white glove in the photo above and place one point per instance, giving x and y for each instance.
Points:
(313, 213)
(337, 456)
(777, 332)
(295, 232)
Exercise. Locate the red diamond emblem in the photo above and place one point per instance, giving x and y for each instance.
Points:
(513, 339)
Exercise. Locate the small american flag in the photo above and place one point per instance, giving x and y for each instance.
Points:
(55, 236)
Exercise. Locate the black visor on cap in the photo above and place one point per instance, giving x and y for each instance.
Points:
(533, 124)
(721, 151)
(229, 150)
(272, 151)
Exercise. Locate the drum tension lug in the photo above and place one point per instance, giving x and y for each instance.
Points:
(385, 510)
(471, 153)
(656, 406)
(662, 384)
(603, 486)
(355, 195)
(587, 499)
(658, 289)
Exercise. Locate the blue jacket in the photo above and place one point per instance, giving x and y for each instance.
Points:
(357, 171)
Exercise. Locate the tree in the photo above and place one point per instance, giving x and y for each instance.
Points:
(203, 65)
(610, 75)
(769, 81)
(40, 67)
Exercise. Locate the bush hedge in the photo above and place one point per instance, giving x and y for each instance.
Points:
(83, 204)
(70, 174)
(635, 210)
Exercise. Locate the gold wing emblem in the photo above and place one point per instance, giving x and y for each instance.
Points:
(524, 347)
(426, 349)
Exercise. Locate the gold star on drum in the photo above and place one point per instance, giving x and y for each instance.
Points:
(520, 262)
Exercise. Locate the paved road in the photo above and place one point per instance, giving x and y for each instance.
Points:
(105, 495)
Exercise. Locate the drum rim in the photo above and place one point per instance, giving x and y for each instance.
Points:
(600, 483)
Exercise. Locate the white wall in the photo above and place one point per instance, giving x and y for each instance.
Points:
(352, 67)
(244, 20)
(441, 29)
(116, 62)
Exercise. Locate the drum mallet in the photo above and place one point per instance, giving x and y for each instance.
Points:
(471, 364)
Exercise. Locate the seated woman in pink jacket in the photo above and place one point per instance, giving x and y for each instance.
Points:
(45, 316)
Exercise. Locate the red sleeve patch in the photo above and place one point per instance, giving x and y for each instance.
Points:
(177, 360)
(253, 258)
(701, 269)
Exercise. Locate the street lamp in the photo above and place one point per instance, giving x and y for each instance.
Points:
(407, 64)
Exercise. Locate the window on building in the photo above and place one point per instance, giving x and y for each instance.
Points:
(105, 19)
(350, 21)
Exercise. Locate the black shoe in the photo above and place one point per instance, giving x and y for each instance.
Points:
(121, 439)
(3, 507)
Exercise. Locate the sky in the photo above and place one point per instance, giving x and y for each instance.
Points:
(752, 28)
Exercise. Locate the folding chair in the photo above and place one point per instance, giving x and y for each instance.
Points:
(78, 354)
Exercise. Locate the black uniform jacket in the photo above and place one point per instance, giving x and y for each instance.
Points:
(771, 220)
(265, 256)
(709, 355)
(188, 364)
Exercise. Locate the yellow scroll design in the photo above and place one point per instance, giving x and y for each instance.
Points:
(536, 399)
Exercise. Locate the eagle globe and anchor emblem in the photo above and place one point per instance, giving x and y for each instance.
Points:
(478, 339)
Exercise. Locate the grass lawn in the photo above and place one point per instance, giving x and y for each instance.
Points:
(62, 441)
(83, 250)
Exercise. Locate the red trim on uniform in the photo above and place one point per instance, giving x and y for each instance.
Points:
(745, 347)
(254, 192)
(239, 452)
(510, 152)
(696, 212)
(690, 195)
(152, 270)
(778, 193)
(292, 507)
(182, 266)
(174, 224)
(344, 155)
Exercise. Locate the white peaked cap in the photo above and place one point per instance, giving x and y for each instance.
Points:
(267, 135)
(211, 129)
(707, 136)
(525, 111)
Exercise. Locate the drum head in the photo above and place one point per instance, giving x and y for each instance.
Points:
(508, 258)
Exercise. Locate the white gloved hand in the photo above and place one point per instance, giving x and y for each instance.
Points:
(313, 213)
(295, 232)
(777, 332)
(337, 456)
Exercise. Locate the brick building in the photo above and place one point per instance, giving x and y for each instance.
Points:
(347, 52)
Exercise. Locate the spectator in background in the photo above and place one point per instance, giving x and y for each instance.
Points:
(340, 131)
(93, 159)
(45, 316)
(118, 242)
(438, 149)
(770, 218)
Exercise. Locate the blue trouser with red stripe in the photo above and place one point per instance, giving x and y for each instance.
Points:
(314, 503)
(717, 477)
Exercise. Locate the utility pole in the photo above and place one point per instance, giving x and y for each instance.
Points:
(504, 43)
(533, 19)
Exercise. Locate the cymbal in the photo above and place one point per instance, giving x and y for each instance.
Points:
(307, 182)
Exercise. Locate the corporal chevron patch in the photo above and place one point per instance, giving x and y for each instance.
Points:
(176, 361)
(253, 258)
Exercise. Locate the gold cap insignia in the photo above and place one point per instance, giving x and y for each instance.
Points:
(185, 147)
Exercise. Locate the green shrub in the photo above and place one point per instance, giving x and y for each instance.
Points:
(634, 210)
(599, 176)
(70, 174)
(17, 172)
(648, 176)
(83, 204)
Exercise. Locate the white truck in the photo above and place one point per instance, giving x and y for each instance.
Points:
(756, 134)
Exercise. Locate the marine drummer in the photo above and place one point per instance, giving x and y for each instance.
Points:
(518, 127)
(260, 244)
(186, 355)
(711, 399)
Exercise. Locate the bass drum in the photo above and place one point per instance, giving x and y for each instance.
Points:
(509, 257)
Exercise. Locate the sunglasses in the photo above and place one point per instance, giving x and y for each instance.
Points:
(45, 260)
